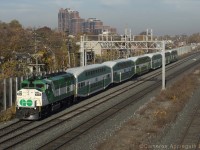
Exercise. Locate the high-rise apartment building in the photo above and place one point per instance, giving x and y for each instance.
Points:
(69, 20)
(95, 26)
(92, 25)
(63, 20)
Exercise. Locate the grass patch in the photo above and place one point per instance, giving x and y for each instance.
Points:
(178, 95)
(8, 114)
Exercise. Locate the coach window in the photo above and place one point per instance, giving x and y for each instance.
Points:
(68, 89)
(82, 84)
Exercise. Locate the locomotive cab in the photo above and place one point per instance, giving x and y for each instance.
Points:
(38, 97)
(29, 100)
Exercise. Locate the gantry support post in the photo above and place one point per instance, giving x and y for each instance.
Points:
(163, 66)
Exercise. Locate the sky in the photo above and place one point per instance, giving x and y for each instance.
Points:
(165, 17)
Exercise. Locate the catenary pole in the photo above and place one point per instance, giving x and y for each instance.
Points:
(163, 66)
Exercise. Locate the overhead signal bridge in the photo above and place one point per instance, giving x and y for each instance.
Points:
(121, 47)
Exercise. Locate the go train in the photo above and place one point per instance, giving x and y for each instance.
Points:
(39, 96)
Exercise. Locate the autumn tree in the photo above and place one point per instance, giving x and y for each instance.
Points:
(11, 69)
(52, 48)
(13, 38)
(194, 38)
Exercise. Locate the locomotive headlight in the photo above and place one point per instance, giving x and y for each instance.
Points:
(37, 94)
(19, 93)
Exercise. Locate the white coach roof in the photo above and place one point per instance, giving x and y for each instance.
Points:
(114, 62)
(78, 70)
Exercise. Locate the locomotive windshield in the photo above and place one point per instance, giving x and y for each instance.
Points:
(24, 85)
(40, 86)
(27, 85)
(32, 85)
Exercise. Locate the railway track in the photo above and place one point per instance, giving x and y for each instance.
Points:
(12, 127)
(9, 140)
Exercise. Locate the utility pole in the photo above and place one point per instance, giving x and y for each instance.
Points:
(36, 56)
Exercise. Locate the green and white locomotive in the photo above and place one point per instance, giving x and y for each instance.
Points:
(40, 96)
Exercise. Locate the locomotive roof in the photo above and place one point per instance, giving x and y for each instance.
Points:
(112, 63)
(34, 79)
(58, 77)
(79, 70)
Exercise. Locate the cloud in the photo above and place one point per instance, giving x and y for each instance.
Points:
(180, 6)
(114, 2)
(181, 2)
(59, 2)
(65, 3)
(17, 8)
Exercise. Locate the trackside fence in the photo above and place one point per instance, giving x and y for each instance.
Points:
(8, 91)
(183, 50)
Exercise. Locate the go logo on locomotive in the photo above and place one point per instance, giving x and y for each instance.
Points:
(24, 102)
